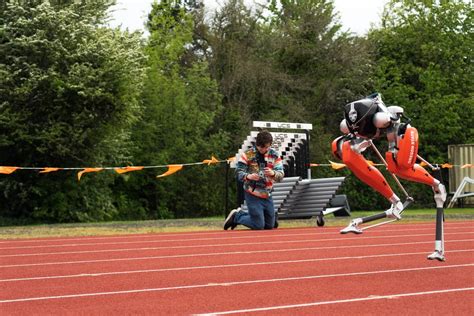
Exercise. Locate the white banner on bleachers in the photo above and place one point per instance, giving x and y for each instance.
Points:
(283, 125)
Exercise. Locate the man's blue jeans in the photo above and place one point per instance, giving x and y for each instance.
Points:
(261, 213)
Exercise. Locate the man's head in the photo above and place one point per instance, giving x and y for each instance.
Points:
(264, 141)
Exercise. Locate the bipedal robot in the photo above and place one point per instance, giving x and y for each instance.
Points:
(368, 119)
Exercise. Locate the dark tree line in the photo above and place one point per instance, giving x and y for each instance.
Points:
(74, 92)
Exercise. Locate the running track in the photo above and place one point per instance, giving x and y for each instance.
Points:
(299, 271)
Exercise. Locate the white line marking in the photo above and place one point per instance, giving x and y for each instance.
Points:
(163, 241)
(225, 245)
(195, 239)
(351, 300)
(312, 277)
(231, 235)
(226, 253)
(221, 266)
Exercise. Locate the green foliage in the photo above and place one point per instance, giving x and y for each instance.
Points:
(76, 93)
(181, 102)
(423, 64)
(292, 63)
(69, 94)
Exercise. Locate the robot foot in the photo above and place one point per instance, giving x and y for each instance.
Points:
(437, 255)
(440, 194)
(395, 211)
(353, 227)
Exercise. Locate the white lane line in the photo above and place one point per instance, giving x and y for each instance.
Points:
(222, 266)
(350, 300)
(198, 239)
(236, 283)
(220, 234)
(225, 253)
(156, 234)
(165, 241)
(340, 239)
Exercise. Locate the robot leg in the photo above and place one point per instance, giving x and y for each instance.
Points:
(440, 198)
(405, 167)
(374, 178)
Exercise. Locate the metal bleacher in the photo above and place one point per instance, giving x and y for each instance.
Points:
(296, 198)
(297, 195)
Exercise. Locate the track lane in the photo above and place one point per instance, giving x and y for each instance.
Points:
(215, 272)
(406, 303)
(205, 284)
(324, 253)
(205, 297)
(107, 242)
(173, 248)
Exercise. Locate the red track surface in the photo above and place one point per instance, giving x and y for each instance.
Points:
(305, 271)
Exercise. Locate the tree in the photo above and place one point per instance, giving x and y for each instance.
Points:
(424, 64)
(234, 38)
(180, 103)
(288, 61)
(327, 66)
(423, 55)
(69, 93)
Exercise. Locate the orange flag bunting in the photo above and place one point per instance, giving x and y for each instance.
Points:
(46, 170)
(447, 165)
(8, 170)
(127, 169)
(469, 165)
(336, 165)
(171, 169)
(213, 160)
(86, 170)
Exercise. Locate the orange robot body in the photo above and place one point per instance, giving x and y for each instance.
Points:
(364, 171)
(408, 148)
(368, 119)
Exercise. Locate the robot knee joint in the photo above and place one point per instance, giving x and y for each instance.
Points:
(408, 148)
(337, 147)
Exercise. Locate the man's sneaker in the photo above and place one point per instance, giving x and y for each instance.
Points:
(395, 210)
(229, 221)
(437, 255)
(353, 227)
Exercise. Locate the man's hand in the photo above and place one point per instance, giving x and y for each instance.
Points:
(268, 172)
(253, 177)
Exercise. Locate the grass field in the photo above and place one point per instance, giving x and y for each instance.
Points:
(199, 224)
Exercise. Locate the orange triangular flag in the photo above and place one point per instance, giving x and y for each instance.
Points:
(469, 165)
(127, 169)
(336, 165)
(46, 170)
(86, 170)
(213, 160)
(447, 165)
(371, 163)
(8, 170)
(171, 169)
(423, 164)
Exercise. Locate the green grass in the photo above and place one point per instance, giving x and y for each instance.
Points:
(201, 224)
